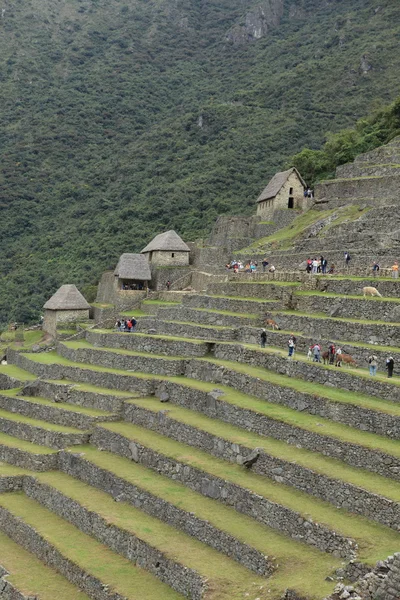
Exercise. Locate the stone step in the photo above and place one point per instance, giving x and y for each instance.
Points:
(178, 560)
(97, 570)
(367, 168)
(82, 351)
(172, 503)
(270, 511)
(27, 454)
(186, 329)
(148, 343)
(208, 317)
(40, 432)
(271, 503)
(58, 413)
(151, 307)
(81, 394)
(351, 307)
(326, 478)
(383, 187)
(240, 305)
(24, 577)
(354, 330)
(265, 290)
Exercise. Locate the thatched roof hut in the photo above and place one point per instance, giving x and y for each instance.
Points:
(67, 297)
(133, 267)
(167, 242)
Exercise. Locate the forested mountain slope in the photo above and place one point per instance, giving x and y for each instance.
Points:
(123, 118)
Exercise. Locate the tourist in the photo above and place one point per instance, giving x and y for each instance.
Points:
(347, 259)
(272, 269)
(314, 266)
(339, 357)
(317, 353)
(291, 346)
(375, 268)
(331, 353)
(263, 338)
(390, 366)
(332, 269)
(265, 264)
(118, 325)
(395, 270)
(168, 284)
(373, 364)
(309, 265)
(324, 265)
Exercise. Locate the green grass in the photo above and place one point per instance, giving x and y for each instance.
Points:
(32, 577)
(284, 237)
(16, 373)
(97, 560)
(154, 336)
(133, 313)
(102, 305)
(87, 387)
(374, 540)
(242, 298)
(316, 315)
(217, 327)
(226, 577)
(299, 565)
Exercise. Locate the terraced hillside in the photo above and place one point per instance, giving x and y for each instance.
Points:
(185, 461)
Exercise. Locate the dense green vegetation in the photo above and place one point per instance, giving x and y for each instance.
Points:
(369, 133)
(122, 118)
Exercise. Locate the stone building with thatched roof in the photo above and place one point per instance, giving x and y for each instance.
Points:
(167, 249)
(285, 190)
(132, 272)
(67, 305)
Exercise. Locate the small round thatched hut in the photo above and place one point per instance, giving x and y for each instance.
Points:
(67, 305)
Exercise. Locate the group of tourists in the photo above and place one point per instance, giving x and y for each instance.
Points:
(394, 269)
(133, 286)
(315, 266)
(334, 355)
(250, 266)
(128, 325)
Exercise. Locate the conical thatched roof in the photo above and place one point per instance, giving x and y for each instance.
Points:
(133, 266)
(168, 241)
(67, 297)
(278, 180)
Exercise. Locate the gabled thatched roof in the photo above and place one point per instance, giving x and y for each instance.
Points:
(67, 297)
(276, 183)
(168, 241)
(133, 266)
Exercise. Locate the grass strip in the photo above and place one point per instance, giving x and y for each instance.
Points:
(16, 373)
(374, 540)
(226, 312)
(304, 567)
(92, 557)
(225, 575)
(323, 316)
(33, 578)
(12, 442)
(84, 345)
(352, 297)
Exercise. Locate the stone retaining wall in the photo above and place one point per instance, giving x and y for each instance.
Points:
(66, 392)
(31, 540)
(184, 580)
(230, 304)
(184, 329)
(350, 308)
(353, 454)
(147, 344)
(124, 491)
(384, 335)
(43, 437)
(337, 492)
(252, 290)
(11, 483)
(116, 360)
(191, 315)
(368, 187)
(243, 500)
(315, 372)
(56, 414)
(28, 460)
(350, 286)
